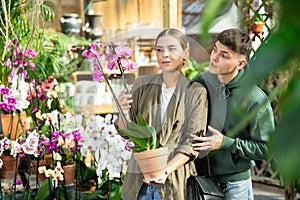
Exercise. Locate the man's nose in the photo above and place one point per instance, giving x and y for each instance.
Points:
(214, 56)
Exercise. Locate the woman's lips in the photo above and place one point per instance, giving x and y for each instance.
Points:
(166, 62)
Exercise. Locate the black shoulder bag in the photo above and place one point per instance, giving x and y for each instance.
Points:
(203, 187)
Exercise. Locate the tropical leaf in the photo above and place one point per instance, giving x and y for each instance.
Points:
(141, 134)
(135, 138)
(141, 121)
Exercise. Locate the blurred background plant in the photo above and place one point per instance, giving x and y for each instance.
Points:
(100, 165)
(194, 68)
(30, 22)
(275, 66)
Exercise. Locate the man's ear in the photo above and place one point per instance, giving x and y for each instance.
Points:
(242, 63)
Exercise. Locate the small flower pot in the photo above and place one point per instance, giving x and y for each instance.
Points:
(152, 162)
(12, 124)
(46, 161)
(69, 174)
(256, 27)
(9, 169)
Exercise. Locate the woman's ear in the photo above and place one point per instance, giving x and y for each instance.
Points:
(186, 53)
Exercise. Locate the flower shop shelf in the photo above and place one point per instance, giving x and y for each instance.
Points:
(98, 109)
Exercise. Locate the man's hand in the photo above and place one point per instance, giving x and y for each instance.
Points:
(212, 142)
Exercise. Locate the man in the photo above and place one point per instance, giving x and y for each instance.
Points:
(231, 156)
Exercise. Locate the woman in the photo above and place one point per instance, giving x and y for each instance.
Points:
(177, 109)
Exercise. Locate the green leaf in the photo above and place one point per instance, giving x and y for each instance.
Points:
(141, 134)
(210, 13)
(44, 190)
(136, 139)
(138, 148)
(153, 138)
(141, 121)
(141, 130)
(85, 174)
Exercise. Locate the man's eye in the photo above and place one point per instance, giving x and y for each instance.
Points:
(225, 56)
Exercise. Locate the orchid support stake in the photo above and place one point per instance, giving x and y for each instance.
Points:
(1, 195)
(15, 178)
(123, 117)
(125, 86)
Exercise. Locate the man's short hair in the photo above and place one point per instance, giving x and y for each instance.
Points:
(236, 40)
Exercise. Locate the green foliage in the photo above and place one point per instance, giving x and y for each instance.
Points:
(47, 191)
(210, 12)
(141, 134)
(109, 189)
(280, 52)
(195, 68)
(44, 191)
(85, 176)
(28, 21)
(16, 22)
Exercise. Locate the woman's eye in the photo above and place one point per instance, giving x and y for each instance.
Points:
(172, 49)
(159, 49)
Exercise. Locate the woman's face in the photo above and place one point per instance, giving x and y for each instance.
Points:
(169, 53)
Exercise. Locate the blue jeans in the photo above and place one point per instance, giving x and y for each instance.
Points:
(238, 190)
(148, 192)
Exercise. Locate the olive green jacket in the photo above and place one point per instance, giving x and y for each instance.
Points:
(185, 115)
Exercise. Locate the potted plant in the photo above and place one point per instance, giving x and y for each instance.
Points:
(8, 157)
(140, 133)
(65, 146)
(256, 18)
(18, 54)
(150, 158)
(256, 27)
(101, 165)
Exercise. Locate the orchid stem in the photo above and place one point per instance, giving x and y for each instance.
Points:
(125, 85)
(123, 117)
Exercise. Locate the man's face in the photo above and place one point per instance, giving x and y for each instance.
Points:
(225, 63)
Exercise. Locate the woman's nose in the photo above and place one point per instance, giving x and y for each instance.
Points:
(166, 53)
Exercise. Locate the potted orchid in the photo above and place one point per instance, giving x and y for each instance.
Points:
(13, 86)
(64, 143)
(8, 157)
(104, 161)
(139, 132)
(143, 136)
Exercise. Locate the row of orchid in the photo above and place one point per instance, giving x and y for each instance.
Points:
(82, 132)
(52, 131)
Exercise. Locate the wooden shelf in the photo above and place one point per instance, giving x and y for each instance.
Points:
(98, 109)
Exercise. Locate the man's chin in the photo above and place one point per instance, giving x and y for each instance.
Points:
(212, 70)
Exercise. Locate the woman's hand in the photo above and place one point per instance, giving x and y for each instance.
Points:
(158, 177)
(125, 100)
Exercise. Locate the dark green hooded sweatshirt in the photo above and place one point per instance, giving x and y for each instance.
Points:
(232, 162)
